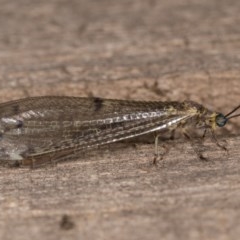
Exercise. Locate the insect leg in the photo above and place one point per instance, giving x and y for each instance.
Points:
(156, 152)
(216, 141)
(198, 153)
(166, 149)
(204, 134)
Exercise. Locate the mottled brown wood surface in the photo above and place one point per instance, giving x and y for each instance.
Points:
(152, 50)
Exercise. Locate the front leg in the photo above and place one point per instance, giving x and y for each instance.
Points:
(196, 150)
(216, 141)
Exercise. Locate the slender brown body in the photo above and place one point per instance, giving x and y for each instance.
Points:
(42, 129)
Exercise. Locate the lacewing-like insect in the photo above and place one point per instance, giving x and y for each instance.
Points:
(38, 130)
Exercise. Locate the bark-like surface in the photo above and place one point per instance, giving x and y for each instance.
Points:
(151, 50)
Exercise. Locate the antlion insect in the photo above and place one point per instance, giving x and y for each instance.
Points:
(43, 129)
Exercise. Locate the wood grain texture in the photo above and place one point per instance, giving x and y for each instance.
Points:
(144, 50)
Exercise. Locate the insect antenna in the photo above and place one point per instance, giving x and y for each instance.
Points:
(234, 110)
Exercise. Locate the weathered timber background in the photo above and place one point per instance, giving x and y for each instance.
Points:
(152, 50)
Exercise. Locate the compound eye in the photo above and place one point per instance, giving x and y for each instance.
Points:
(221, 120)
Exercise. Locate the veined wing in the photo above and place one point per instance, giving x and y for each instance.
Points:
(56, 126)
